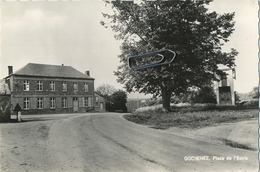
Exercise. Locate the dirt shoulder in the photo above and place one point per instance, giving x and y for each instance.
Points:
(31, 145)
(242, 134)
(235, 128)
(24, 143)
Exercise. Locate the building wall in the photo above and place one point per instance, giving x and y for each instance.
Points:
(100, 103)
(17, 86)
(229, 83)
(18, 94)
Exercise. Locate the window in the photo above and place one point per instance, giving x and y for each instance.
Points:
(39, 86)
(52, 103)
(52, 86)
(25, 85)
(64, 102)
(75, 86)
(96, 98)
(85, 87)
(39, 103)
(64, 86)
(224, 82)
(26, 103)
(85, 101)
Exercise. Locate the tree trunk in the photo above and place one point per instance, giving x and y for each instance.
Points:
(166, 100)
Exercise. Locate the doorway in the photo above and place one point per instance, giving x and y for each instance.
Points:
(101, 106)
(75, 104)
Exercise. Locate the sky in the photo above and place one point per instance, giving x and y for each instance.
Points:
(69, 33)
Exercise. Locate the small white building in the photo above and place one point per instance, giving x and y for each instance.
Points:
(100, 103)
(224, 89)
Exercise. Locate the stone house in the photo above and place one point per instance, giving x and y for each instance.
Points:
(42, 88)
(100, 103)
(224, 88)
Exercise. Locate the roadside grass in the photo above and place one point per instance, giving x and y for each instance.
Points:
(237, 145)
(189, 117)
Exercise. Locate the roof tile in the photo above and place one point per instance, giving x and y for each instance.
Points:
(33, 69)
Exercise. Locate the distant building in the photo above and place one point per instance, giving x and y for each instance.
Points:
(100, 103)
(224, 89)
(41, 88)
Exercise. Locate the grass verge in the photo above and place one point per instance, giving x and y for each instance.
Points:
(190, 120)
(237, 145)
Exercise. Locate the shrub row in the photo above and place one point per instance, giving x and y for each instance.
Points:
(201, 107)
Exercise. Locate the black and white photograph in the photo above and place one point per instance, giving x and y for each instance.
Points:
(129, 86)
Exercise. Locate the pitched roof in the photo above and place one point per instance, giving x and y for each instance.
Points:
(44, 70)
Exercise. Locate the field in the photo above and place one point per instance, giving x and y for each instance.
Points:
(190, 118)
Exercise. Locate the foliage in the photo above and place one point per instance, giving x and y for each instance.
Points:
(5, 108)
(105, 90)
(151, 102)
(237, 97)
(186, 107)
(254, 93)
(117, 101)
(4, 88)
(186, 27)
(251, 103)
(161, 120)
(204, 95)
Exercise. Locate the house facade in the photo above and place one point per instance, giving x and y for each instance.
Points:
(41, 88)
(100, 103)
(224, 88)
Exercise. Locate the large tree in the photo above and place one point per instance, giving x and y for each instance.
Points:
(105, 90)
(186, 27)
(118, 101)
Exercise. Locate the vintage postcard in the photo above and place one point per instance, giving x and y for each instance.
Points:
(129, 85)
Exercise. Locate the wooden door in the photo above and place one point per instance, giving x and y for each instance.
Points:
(101, 106)
(75, 104)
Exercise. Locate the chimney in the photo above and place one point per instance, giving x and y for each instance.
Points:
(10, 70)
(87, 73)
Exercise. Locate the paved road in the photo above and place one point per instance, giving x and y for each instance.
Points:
(107, 142)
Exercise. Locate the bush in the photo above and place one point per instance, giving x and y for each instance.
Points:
(151, 102)
(149, 108)
(251, 103)
(117, 102)
(186, 107)
(5, 108)
(158, 119)
(203, 95)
